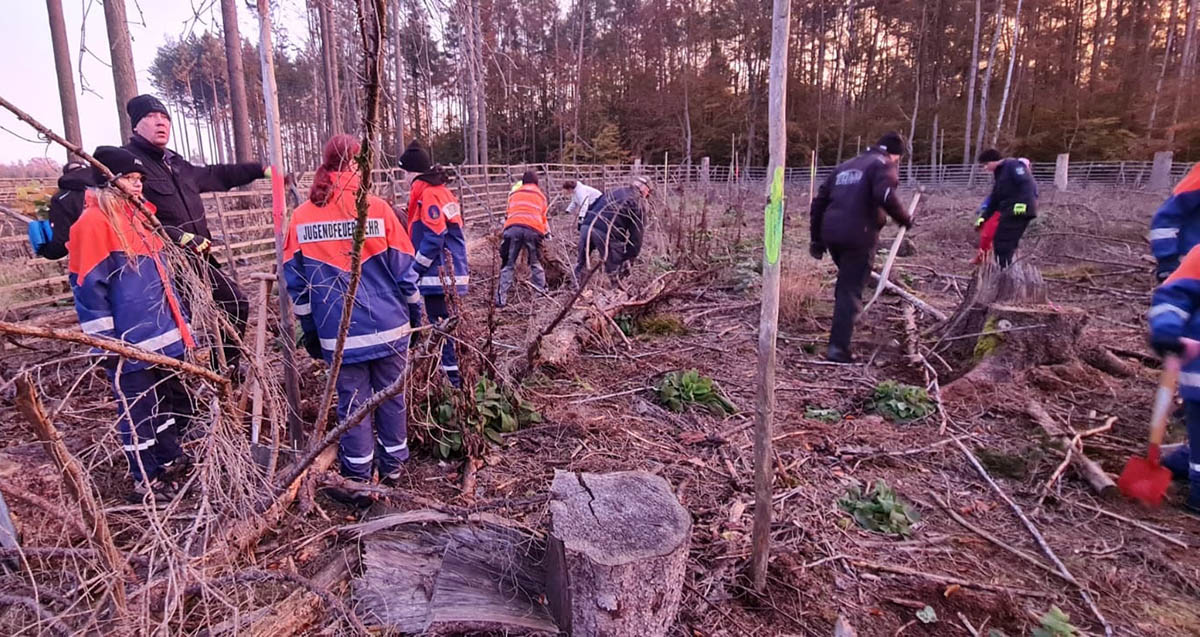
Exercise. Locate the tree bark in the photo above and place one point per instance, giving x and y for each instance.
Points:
(400, 95)
(480, 81)
(1162, 71)
(1012, 58)
(333, 98)
(974, 71)
(1185, 67)
(62, 68)
(124, 75)
(987, 80)
(237, 81)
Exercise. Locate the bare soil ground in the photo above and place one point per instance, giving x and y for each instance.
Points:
(601, 415)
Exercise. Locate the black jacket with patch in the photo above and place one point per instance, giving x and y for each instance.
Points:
(622, 210)
(1014, 192)
(853, 203)
(65, 207)
(174, 185)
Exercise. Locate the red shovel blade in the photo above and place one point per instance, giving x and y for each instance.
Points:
(1145, 480)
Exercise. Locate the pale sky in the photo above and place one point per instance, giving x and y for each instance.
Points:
(27, 77)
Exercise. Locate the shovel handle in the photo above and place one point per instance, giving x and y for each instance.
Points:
(1163, 398)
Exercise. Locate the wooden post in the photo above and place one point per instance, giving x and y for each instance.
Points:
(768, 324)
(1060, 171)
(275, 144)
(1160, 173)
(704, 170)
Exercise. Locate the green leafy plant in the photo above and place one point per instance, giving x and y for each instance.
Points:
(1055, 623)
(880, 510)
(677, 390)
(662, 325)
(497, 411)
(822, 415)
(901, 403)
(625, 323)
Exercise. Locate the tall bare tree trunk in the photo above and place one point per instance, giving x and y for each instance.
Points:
(1012, 58)
(480, 81)
(400, 96)
(470, 88)
(769, 315)
(987, 80)
(912, 126)
(974, 71)
(66, 80)
(1185, 66)
(275, 146)
(1162, 71)
(333, 96)
(124, 76)
(579, 80)
(237, 81)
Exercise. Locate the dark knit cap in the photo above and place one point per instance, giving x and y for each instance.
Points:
(530, 177)
(415, 159)
(143, 105)
(118, 160)
(892, 143)
(990, 155)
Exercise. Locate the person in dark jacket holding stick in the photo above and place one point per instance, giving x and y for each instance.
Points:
(614, 225)
(849, 210)
(1009, 207)
(65, 207)
(174, 186)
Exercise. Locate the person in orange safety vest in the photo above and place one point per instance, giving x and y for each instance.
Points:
(524, 230)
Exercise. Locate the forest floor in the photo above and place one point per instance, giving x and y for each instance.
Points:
(602, 415)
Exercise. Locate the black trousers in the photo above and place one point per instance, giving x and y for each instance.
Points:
(612, 248)
(854, 267)
(230, 299)
(1008, 235)
(518, 239)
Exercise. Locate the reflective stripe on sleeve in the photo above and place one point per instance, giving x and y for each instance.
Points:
(1163, 233)
(96, 326)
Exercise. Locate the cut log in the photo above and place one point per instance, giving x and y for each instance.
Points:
(617, 555)
(1100, 482)
(424, 574)
(1105, 361)
(301, 609)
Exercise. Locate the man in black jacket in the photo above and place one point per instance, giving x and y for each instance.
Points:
(614, 225)
(174, 185)
(851, 207)
(1014, 198)
(65, 207)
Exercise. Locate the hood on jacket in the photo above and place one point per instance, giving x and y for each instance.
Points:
(78, 179)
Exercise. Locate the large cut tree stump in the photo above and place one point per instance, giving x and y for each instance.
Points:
(617, 554)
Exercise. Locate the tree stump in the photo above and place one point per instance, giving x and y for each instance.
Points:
(617, 554)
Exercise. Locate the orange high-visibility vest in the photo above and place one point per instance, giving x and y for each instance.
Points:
(527, 207)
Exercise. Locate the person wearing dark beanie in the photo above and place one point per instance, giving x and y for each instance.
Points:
(415, 159)
(1009, 207)
(173, 185)
(850, 208)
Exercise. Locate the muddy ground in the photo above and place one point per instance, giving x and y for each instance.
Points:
(601, 414)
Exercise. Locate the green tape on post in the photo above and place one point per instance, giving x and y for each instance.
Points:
(773, 219)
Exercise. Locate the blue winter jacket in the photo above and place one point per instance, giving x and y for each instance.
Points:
(317, 271)
(1175, 227)
(1175, 313)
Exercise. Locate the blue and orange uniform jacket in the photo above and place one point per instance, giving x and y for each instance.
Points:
(435, 225)
(317, 271)
(121, 285)
(1175, 313)
(1175, 228)
(527, 207)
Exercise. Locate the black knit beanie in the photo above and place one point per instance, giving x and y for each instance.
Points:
(118, 160)
(415, 159)
(892, 143)
(143, 105)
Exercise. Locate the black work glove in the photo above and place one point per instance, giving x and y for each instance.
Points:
(312, 345)
(414, 321)
(817, 250)
(1163, 345)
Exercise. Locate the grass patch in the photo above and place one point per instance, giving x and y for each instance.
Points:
(662, 325)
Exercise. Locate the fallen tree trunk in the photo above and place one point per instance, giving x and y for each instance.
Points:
(911, 298)
(1092, 473)
(617, 555)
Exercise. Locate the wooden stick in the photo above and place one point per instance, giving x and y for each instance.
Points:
(995, 540)
(81, 488)
(112, 345)
(891, 258)
(1141, 525)
(1037, 536)
(768, 324)
(948, 580)
(1089, 470)
(910, 297)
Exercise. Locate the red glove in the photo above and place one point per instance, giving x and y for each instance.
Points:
(987, 235)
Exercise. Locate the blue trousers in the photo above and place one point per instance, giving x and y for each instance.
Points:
(153, 407)
(1185, 461)
(435, 309)
(382, 437)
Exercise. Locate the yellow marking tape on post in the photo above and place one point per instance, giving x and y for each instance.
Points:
(773, 219)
